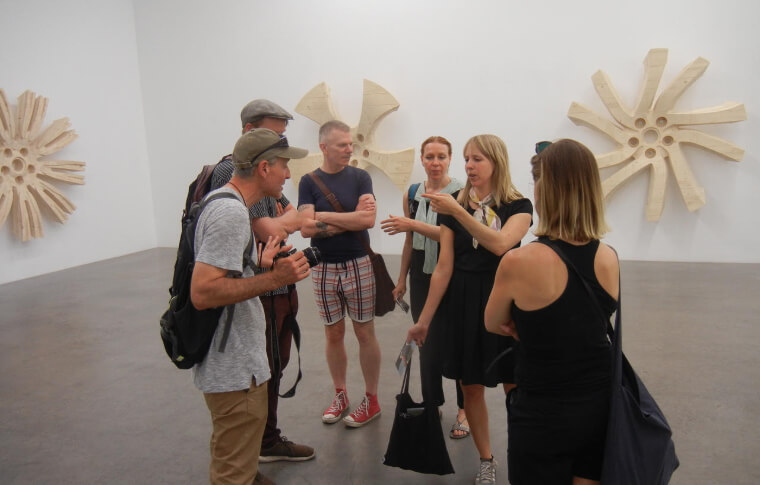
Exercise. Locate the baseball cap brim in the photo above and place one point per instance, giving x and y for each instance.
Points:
(288, 152)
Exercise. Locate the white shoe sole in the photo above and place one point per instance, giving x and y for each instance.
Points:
(334, 419)
(354, 424)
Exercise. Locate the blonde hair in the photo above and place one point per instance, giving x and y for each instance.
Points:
(569, 198)
(495, 150)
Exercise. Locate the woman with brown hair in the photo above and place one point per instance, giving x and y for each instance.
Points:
(479, 224)
(557, 415)
(418, 260)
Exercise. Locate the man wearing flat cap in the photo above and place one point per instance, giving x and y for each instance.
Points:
(272, 217)
(233, 379)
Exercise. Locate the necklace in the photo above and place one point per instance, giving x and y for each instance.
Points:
(240, 192)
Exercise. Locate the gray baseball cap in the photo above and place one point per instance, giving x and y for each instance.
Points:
(263, 144)
(262, 108)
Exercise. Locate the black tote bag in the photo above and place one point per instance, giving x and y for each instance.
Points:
(417, 441)
(639, 448)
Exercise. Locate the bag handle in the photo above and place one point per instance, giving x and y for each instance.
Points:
(616, 334)
(336, 205)
(405, 382)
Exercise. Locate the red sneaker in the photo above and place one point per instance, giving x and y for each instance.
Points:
(368, 410)
(337, 409)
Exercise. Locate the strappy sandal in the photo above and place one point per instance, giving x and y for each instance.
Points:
(458, 426)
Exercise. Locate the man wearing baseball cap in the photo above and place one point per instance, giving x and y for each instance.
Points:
(272, 217)
(233, 379)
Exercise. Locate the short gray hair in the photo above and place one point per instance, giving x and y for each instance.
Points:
(328, 127)
(244, 172)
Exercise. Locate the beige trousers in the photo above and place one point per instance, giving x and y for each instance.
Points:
(238, 419)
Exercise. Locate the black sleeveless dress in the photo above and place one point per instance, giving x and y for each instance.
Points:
(557, 415)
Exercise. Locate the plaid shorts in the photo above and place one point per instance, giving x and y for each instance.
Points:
(348, 285)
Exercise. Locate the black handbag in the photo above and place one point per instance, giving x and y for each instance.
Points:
(639, 448)
(417, 441)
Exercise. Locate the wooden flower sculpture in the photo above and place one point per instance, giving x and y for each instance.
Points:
(25, 187)
(376, 104)
(651, 134)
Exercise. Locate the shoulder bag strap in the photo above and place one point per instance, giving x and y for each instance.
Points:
(336, 205)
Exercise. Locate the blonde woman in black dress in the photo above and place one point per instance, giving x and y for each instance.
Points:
(479, 224)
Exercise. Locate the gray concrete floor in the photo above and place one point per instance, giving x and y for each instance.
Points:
(87, 395)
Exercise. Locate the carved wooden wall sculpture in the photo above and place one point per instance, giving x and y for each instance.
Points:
(650, 135)
(24, 178)
(376, 104)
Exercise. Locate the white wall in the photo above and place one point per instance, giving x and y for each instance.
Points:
(82, 56)
(458, 68)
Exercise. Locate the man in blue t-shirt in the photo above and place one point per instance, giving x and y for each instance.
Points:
(344, 280)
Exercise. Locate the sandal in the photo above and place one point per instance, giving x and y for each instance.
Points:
(458, 426)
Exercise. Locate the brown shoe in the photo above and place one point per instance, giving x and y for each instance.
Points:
(285, 450)
(261, 479)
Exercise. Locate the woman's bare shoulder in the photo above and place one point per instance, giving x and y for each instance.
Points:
(530, 256)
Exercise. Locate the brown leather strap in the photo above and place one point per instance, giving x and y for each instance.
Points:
(328, 194)
(338, 208)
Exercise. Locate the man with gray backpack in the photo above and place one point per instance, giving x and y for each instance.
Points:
(234, 381)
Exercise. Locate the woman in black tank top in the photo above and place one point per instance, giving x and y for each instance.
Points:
(557, 415)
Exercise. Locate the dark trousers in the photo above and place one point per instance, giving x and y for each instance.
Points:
(431, 370)
(284, 306)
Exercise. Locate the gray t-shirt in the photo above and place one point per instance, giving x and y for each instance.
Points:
(221, 235)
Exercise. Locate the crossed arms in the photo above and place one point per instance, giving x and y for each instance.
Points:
(327, 224)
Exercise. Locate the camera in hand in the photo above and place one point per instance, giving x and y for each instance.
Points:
(312, 254)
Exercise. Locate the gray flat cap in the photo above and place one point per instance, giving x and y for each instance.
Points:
(262, 108)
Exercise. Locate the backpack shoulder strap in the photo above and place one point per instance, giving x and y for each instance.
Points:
(246, 262)
(412, 191)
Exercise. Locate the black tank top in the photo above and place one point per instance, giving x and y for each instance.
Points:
(564, 346)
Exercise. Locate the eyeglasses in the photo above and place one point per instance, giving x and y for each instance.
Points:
(281, 143)
(541, 146)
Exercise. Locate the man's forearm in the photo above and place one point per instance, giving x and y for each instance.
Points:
(348, 221)
(281, 226)
(227, 291)
(318, 229)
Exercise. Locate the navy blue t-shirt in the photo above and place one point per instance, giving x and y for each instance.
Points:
(348, 185)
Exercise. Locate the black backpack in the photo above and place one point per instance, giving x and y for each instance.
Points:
(186, 331)
(200, 186)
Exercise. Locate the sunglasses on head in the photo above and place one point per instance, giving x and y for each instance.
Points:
(281, 143)
(541, 146)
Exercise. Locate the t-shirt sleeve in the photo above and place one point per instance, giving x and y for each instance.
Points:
(445, 220)
(222, 235)
(519, 206)
(365, 183)
(305, 196)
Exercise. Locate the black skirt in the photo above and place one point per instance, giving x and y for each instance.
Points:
(468, 350)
